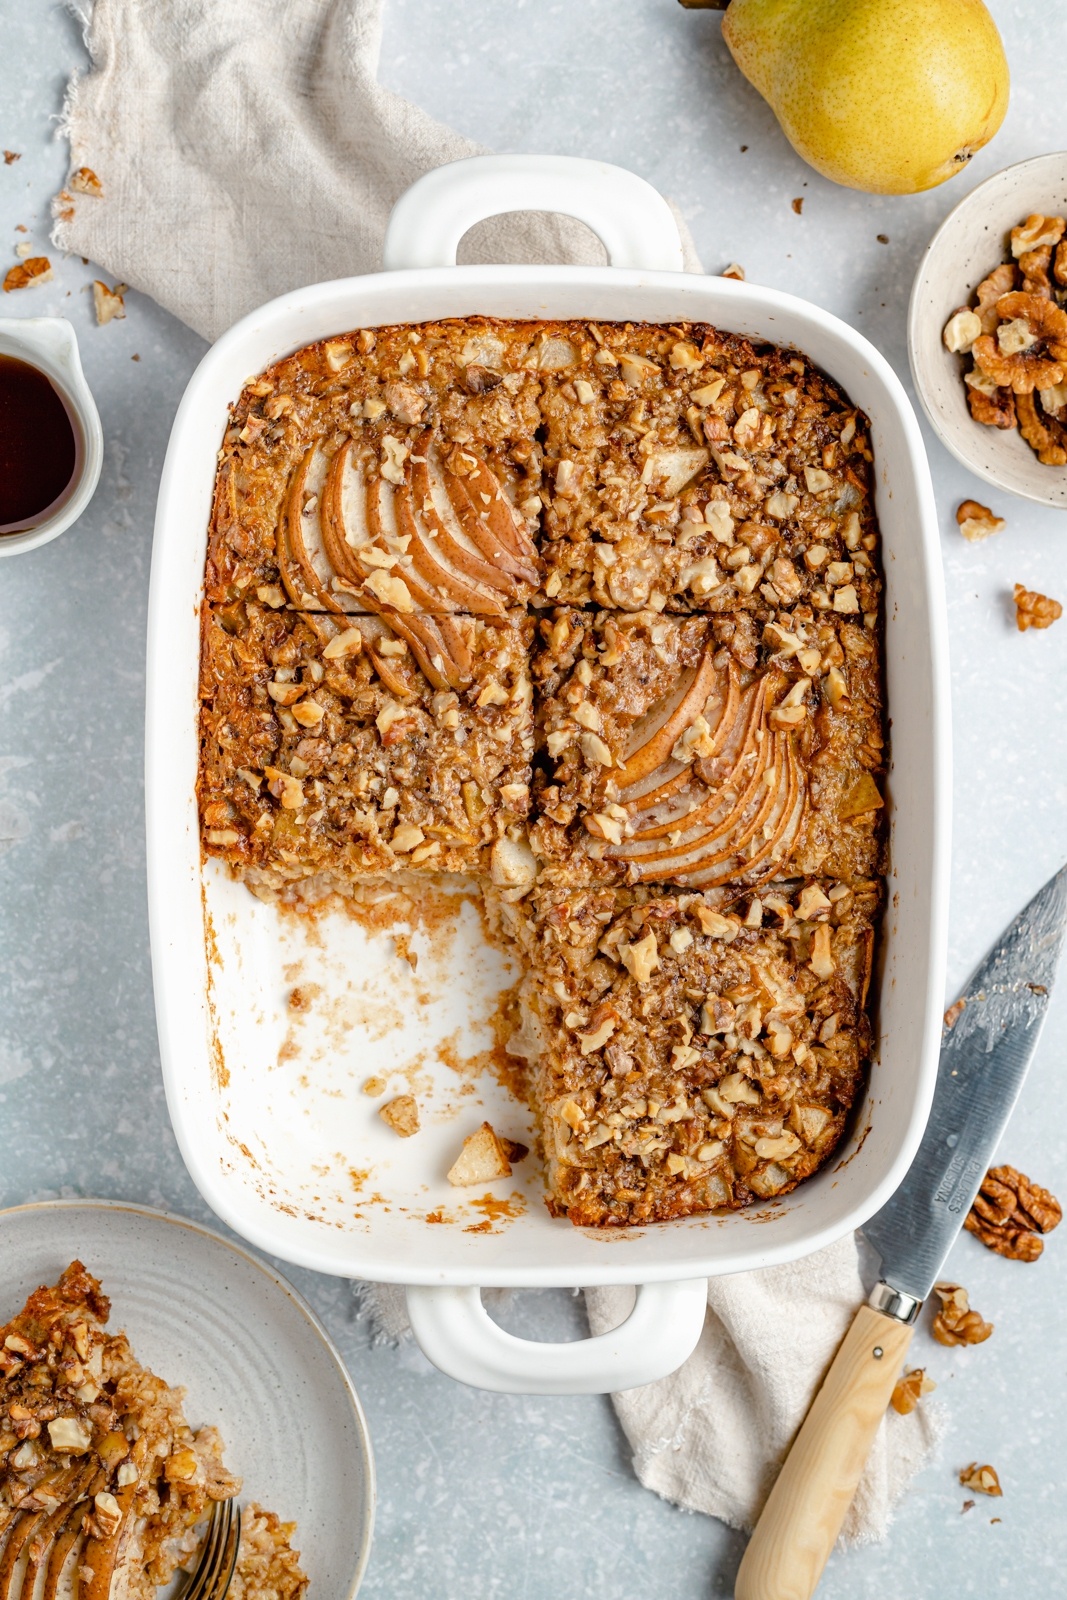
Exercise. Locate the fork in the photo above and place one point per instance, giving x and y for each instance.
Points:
(213, 1573)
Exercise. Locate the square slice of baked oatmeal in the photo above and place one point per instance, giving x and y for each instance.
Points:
(690, 470)
(683, 1059)
(346, 746)
(715, 752)
(394, 470)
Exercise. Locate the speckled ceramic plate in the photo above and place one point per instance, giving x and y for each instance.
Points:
(251, 1355)
(970, 242)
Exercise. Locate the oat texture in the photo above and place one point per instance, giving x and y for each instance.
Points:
(102, 1480)
(591, 612)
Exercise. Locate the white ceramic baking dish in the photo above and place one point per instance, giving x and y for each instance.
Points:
(266, 1105)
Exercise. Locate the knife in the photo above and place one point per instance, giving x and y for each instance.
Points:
(988, 1043)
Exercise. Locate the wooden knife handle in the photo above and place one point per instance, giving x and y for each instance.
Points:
(803, 1515)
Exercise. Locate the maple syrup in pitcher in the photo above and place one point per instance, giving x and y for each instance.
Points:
(38, 446)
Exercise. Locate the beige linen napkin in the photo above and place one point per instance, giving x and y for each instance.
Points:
(244, 148)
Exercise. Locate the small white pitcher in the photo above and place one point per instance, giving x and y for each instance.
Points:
(50, 345)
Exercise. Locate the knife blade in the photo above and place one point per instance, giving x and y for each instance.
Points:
(990, 1037)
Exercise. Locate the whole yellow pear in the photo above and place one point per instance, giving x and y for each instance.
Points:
(891, 96)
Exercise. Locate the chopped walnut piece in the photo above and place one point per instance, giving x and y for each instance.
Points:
(405, 402)
(641, 958)
(733, 271)
(910, 1388)
(954, 1012)
(11, 156)
(1010, 1212)
(977, 522)
(303, 995)
(1034, 610)
(983, 1479)
(85, 181)
(956, 1323)
(69, 1433)
(108, 303)
(482, 1159)
(38, 269)
(402, 1115)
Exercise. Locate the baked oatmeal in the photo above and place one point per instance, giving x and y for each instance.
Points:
(333, 746)
(591, 612)
(689, 470)
(683, 1058)
(103, 1483)
(395, 470)
(714, 752)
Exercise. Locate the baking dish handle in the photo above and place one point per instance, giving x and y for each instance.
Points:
(456, 1332)
(632, 220)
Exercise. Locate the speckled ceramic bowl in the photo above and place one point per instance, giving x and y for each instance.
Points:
(970, 242)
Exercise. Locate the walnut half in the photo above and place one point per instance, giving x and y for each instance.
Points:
(983, 1479)
(910, 1388)
(977, 522)
(1010, 1213)
(956, 1323)
(1034, 610)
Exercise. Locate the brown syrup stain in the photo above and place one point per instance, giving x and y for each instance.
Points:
(302, 996)
(496, 1210)
(239, 1144)
(220, 1072)
(414, 1072)
(860, 1142)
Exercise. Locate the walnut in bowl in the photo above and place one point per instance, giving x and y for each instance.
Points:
(971, 248)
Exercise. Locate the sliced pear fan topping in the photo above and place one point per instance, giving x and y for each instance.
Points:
(408, 538)
(654, 735)
(726, 804)
(409, 533)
